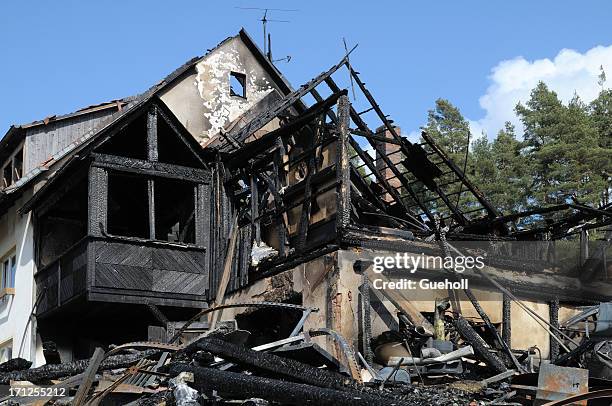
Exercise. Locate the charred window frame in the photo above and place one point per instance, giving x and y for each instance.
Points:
(153, 208)
(128, 205)
(149, 198)
(237, 82)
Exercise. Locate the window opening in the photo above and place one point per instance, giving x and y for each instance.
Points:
(238, 84)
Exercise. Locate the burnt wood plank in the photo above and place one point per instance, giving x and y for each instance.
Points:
(152, 152)
(160, 169)
(151, 196)
(342, 165)
(155, 280)
(124, 254)
(185, 261)
(98, 200)
(100, 294)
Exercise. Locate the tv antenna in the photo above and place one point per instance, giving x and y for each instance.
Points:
(267, 40)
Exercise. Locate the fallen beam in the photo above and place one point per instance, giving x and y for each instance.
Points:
(89, 376)
(404, 305)
(471, 336)
(15, 364)
(55, 371)
(241, 386)
(285, 367)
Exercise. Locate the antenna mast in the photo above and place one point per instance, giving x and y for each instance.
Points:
(267, 38)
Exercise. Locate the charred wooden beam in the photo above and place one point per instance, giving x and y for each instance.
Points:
(88, 377)
(248, 386)
(362, 188)
(475, 303)
(255, 209)
(573, 355)
(56, 371)
(507, 320)
(282, 264)
(365, 320)
(152, 217)
(368, 161)
(280, 211)
(159, 169)
(480, 346)
(15, 364)
(553, 308)
(485, 317)
(278, 180)
(271, 363)
(343, 206)
(364, 127)
(375, 137)
(157, 313)
(295, 190)
(493, 212)
(362, 154)
(403, 147)
(386, 185)
(203, 216)
(282, 105)
(152, 151)
(311, 168)
(97, 201)
(225, 276)
(269, 140)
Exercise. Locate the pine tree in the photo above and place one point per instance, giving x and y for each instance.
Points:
(543, 125)
(601, 115)
(601, 79)
(565, 154)
(447, 126)
(563, 147)
(510, 187)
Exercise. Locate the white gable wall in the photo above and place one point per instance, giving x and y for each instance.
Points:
(202, 100)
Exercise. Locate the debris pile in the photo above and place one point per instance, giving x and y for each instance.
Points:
(409, 366)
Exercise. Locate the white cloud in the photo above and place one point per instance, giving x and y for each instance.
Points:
(512, 81)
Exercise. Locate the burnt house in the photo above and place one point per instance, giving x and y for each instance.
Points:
(126, 220)
(223, 186)
(108, 209)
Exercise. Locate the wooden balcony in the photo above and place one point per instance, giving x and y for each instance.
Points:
(126, 270)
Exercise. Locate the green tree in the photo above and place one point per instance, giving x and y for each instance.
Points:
(562, 149)
(501, 172)
(447, 126)
(565, 153)
(601, 114)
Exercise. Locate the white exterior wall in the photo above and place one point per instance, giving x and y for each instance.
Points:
(202, 101)
(17, 234)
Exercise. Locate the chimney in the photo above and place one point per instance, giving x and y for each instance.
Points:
(392, 151)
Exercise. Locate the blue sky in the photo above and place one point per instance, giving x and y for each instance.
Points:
(62, 55)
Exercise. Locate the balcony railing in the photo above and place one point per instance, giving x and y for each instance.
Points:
(108, 267)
